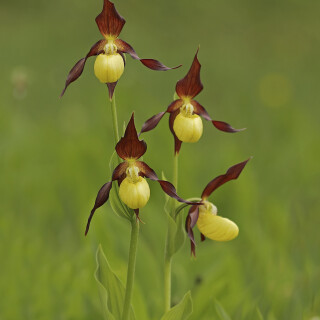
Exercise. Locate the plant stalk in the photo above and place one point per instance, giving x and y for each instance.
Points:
(167, 255)
(131, 268)
(115, 119)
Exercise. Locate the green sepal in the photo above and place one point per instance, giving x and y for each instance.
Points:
(223, 315)
(181, 311)
(111, 290)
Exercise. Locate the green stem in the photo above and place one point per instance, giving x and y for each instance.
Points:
(115, 119)
(167, 255)
(131, 268)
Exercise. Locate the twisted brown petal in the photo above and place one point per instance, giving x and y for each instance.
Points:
(166, 186)
(76, 71)
(151, 123)
(119, 171)
(177, 142)
(103, 194)
(102, 197)
(175, 105)
(191, 221)
(223, 126)
(109, 21)
(149, 63)
(190, 85)
(232, 174)
(130, 146)
(220, 125)
(146, 171)
(111, 86)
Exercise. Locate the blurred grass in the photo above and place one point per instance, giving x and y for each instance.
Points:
(260, 70)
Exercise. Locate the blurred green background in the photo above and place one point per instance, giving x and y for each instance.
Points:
(260, 70)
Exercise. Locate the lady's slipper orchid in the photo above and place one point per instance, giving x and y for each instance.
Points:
(134, 190)
(205, 215)
(109, 64)
(184, 121)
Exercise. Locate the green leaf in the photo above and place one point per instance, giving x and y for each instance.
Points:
(111, 290)
(221, 312)
(181, 311)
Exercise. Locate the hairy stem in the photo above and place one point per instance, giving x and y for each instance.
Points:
(131, 268)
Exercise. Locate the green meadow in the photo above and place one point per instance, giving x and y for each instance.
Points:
(260, 70)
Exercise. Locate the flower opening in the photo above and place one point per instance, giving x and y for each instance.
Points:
(109, 67)
(134, 190)
(184, 121)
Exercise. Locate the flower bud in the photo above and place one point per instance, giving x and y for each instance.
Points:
(188, 126)
(108, 67)
(134, 190)
(215, 227)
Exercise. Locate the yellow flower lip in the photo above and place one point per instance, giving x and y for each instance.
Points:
(213, 226)
(109, 67)
(208, 207)
(187, 126)
(134, 193)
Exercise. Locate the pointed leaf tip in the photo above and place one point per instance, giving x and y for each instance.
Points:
(111, 290)
(182, 310)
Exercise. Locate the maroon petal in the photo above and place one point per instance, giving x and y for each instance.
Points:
(119, 171)
(151, 123)
(76, 71)
(103, 194)
(102, 197)
(203, 237)
(166, 186)
(220, 125)
(157, 65)
(200, 110)
(171, 191)
(149, 63)
(130, 146)
(226, 127)
(126, 48)
(111, 87)
(177, 142)
(109, 21)
(146, 171)
(175, 105)
(191, 236)
(232, 174)
(194, 215)
(191, 221)
(190, 85)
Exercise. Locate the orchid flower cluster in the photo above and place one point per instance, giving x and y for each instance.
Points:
(130, 188)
